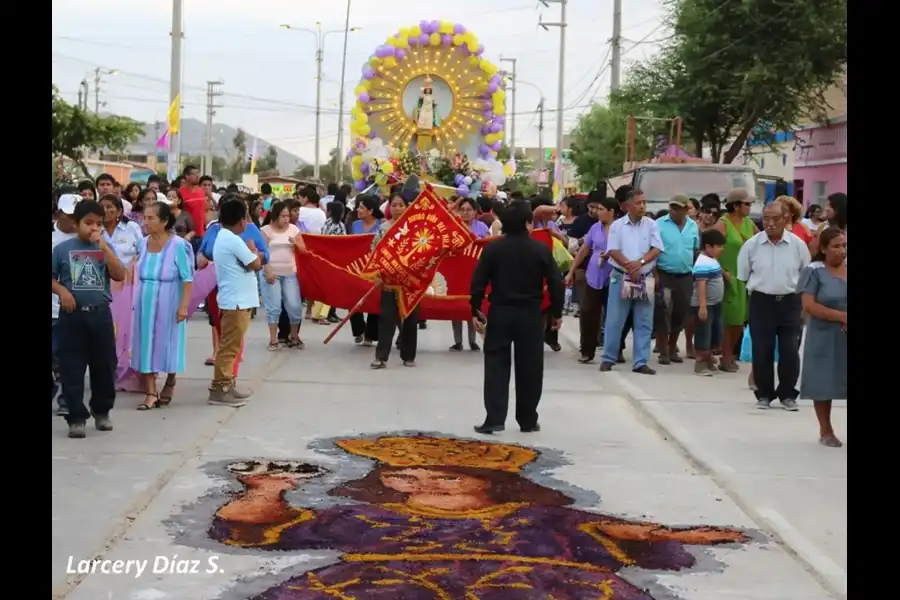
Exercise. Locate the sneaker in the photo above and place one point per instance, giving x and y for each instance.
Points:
(223, 398)
(789, 404)
(701, 368)
(729, 368)
(77, 431)
(358, 339)
(240, 393)
(456, 348)
(103, 423)
(367, 343)
(62, 410)
(763, 404)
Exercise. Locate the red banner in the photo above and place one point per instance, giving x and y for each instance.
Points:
(331, 271)
(408, 255)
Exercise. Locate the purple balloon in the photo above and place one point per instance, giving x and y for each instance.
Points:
(371, 135)
(496, 146)
(464, 49)
(364, 168)
(425, 26)
(413, 41)
(459, 29)
(446, 40)
(459, 179)
(487, 105)
(496, 127)
(480, 50)
(368, 74)
(485, 130)
(384, 51)
(435, 27)
(400, 53)
(500, 119)
(360, 185)
(463, 190)
(488, 114)
(492, 87)
(483, 149)
(424, 38)
(364, 97)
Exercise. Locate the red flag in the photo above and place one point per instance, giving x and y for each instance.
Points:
(407, 257)
(331, 271)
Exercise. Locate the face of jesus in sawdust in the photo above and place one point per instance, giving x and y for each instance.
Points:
(430, 481)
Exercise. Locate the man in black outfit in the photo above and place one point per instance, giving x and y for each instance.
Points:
(516, 267)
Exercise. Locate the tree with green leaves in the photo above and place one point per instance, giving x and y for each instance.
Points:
(76, 132)
(268, 162)
(239, 163)
(731, 65)
(599, 141)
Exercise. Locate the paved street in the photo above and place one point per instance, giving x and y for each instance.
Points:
(676, 449)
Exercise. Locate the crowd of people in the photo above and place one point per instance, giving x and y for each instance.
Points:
(702, 268)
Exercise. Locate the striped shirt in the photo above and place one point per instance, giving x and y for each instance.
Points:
(707, 269)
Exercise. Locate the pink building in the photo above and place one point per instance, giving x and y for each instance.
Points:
(820, 151)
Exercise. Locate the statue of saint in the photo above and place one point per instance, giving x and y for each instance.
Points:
(426, 113)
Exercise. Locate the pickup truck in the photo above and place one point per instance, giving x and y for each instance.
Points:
(661, 181)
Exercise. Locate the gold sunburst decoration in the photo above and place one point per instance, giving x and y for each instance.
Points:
(441, 51)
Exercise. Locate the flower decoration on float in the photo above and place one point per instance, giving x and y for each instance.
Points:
(449, 53)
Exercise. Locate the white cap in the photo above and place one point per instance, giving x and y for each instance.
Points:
(67, 203)
(160, 197)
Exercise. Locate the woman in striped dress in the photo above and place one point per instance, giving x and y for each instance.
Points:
(164, 274)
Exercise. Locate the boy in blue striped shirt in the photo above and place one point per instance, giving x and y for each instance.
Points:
(706, 301)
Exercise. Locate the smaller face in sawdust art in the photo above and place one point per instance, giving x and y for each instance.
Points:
(447, 518)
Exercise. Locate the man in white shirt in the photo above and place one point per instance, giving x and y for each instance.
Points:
(331, 192)
(312, 217)
(63, 229)
(770, 262)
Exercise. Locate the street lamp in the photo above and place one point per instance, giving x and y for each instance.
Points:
(98, 73)
(320, 51)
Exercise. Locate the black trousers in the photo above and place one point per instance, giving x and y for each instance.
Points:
(284, 326)
(593, 305)
(87, 342)
(771, 318)
(364, 325)
(671, 314)
(387, 325)
(518, 330)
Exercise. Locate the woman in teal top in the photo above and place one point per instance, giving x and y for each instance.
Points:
(737, 227)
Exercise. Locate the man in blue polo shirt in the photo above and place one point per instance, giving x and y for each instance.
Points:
(681, 241)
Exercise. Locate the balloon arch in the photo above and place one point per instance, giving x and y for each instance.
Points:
(427, 101)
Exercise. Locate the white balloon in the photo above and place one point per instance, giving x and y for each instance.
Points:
(375, 149)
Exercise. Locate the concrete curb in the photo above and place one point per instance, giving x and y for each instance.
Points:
(823, 569)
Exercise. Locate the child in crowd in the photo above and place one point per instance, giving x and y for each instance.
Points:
(81, 268)
(706, 301)
(237, 263)
(64, 228)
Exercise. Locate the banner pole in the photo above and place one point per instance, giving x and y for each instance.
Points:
(351, 312)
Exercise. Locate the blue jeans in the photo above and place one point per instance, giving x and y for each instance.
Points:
(286, 291)
(54, 366)
(616, 313)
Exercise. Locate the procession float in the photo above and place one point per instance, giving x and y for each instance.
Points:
(430, 104)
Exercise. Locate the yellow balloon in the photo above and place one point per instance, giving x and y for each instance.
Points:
(472, 46)
(363, 118)
(458, 40)
(403, 41)
(474, 60)
(435, 39)
(446, 27)
(415, 31)
(358, 90)
(356, 161)
(498, 96)
(473, 38)
(381, 179)
(390, 62)
(403, 33)
(392, 41)
(374, 61)
(488, 67)
(357, 174)
(469, 37)
(387, 168)
(364, 130)
(356, 110)
(507, 170)
(500, 110)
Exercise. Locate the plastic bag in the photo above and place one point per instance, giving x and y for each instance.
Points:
(747, 347)
(561, 256)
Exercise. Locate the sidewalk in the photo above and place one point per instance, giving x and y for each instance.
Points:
(769, 462)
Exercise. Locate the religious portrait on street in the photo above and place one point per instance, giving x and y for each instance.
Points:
(445, 518)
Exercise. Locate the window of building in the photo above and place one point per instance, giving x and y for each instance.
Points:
(820, 191)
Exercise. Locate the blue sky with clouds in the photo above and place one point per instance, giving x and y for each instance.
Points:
(269, 73)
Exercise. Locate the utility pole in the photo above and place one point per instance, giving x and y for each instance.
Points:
(174, 158)
(211, 94)
(512, 124)
(339, 157)
(97, 91)
(540, 138)
(83, 94)
(319, 56)
(616, 66)
(562, 85)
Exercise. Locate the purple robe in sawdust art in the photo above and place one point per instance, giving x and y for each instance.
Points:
(508, 552)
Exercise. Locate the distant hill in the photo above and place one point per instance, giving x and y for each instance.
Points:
(193, 141)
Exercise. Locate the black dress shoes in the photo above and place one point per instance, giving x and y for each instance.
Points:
(489, 429)
(533, 429)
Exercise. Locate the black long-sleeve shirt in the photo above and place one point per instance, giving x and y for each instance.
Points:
(516, 266)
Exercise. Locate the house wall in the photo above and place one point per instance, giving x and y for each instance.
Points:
(820, 162)
(820, 181)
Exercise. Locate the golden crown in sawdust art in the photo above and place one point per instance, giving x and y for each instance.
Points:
(423, 451)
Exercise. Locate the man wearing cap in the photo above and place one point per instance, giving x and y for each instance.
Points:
(681, 239)
(63, 229)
